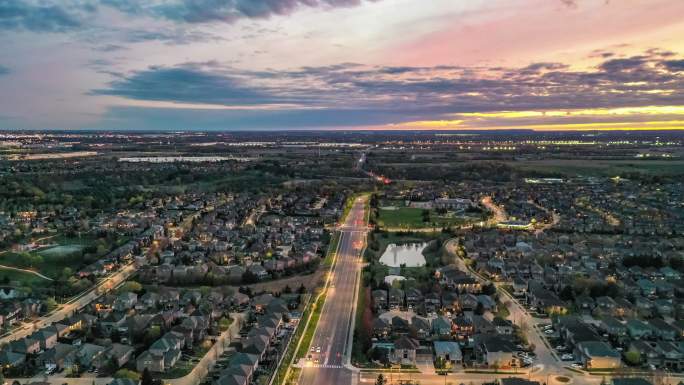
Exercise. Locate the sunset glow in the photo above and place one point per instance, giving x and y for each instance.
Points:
(334, 64)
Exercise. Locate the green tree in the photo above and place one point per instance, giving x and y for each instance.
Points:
(633, 357)
(125, 373)
(67, 272)
(50, 304)
(131, 286)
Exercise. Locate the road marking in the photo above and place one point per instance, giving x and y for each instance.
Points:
(319, 366)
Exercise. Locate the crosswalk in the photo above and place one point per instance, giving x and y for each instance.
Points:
(325, 366)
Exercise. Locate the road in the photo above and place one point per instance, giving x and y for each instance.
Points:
(498, 211)
(333, 332)
(71, 307)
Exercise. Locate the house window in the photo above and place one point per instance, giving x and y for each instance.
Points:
(405, 354)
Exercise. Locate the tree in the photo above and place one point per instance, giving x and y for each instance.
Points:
(633, 357)
(146, 378)
(567, 294)
(67, 272)
(125, 373)
(131, 286)
(381, 380)
(489, 289)
(50, 304)
(152, 334)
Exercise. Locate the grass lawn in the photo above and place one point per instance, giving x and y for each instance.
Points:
(51, 260)
(23, 279)
(412, 218)
(334, 241)
(401, 217)
(317, 309)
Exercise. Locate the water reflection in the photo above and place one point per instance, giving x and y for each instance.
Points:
(410, 255)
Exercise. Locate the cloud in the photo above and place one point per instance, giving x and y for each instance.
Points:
(3, 70)
(360, 94)
(203, 11)
(44, 16)
(674, 65)
(184, 85)
(62, 16)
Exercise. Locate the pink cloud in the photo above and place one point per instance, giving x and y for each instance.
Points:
(534, 30)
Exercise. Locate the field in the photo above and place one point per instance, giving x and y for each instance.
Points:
(598, 167)
(413, 218)
(61, 251)
(13, 276)
(49, 261)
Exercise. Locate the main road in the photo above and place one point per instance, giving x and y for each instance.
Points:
(334, 331)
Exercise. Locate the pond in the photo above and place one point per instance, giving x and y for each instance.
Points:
(409, 255)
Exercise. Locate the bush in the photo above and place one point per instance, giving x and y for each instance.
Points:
(125, 373)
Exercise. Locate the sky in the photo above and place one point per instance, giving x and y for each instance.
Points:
(342, 64)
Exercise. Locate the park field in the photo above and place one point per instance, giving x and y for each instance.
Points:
(51, 261)
(413, 218)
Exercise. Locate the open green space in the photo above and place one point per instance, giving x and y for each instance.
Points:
(61, 258)
(415, 218)
(20, 278)
(600, 167)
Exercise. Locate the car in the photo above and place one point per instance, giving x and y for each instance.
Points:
(577, 365)
(313, 349)
(547, 327)
(548, 331)
(567, 357)
(560, 348)
(316, 361)
(318, 349)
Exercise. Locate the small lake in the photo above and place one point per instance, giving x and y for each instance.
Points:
(409, 255)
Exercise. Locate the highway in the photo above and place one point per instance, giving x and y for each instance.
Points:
(334, 326)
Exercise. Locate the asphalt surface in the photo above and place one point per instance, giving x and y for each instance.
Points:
(333, 330)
